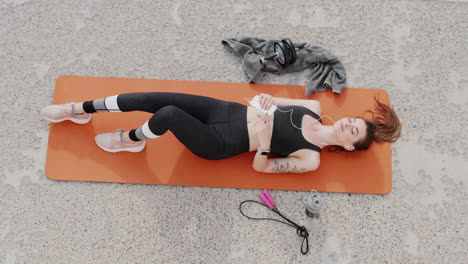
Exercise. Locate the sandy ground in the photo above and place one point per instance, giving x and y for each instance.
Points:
(415, 50)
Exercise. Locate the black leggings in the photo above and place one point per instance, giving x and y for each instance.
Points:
(208, 127)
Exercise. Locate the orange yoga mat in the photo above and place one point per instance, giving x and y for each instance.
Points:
(72, 154)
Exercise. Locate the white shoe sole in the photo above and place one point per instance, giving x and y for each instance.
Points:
(74, 120)
(129, 149)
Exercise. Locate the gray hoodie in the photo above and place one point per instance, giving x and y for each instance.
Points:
(326, 70)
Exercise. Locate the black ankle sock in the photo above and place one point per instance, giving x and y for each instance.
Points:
(133, 136)
(88, 107)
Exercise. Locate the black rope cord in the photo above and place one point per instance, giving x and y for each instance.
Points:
(300, 230)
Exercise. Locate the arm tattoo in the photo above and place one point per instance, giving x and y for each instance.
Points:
(280, 167)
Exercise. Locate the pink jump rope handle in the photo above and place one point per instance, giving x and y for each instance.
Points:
(267, 202)
(267, 199)
(268, 195)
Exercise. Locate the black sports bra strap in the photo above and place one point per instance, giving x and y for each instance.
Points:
(314, 115)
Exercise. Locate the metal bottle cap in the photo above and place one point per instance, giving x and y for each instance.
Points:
(314, 204)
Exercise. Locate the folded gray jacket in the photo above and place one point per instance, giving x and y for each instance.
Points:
(326, 70)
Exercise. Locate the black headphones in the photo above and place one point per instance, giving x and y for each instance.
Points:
(284, 52)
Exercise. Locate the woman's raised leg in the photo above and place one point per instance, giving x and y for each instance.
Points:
(198, 106)
(186, 115)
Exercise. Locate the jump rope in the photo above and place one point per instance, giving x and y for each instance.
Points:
(313, 205)
(268, 202)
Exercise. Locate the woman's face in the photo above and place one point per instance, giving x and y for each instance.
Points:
(350, 130)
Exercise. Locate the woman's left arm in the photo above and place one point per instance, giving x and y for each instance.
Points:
(289, 164)
(267, 100)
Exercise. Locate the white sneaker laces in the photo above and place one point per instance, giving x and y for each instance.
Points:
(120, 134)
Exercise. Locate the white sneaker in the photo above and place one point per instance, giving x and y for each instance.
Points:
(114, 142)
(62, 112)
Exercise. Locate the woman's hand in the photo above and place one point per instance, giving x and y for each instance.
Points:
(266, 101)
(263, 130)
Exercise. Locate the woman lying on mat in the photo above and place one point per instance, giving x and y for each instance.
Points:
(215, 129)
